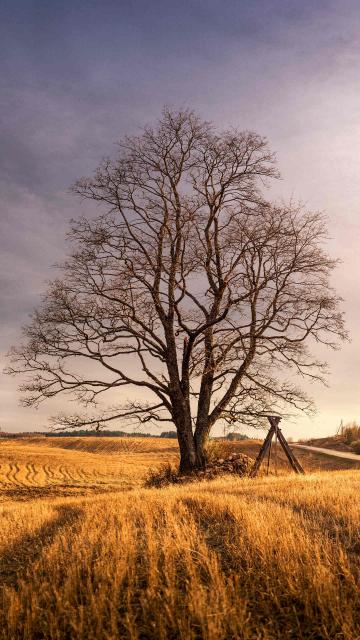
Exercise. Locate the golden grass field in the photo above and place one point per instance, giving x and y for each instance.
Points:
(86, 552)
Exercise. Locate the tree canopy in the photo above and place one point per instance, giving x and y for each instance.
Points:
(190, 288)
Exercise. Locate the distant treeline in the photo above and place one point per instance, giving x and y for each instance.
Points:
(168, 434)
(106, 434)
(99, 434)
(22, 434)
(83, 433)
(111, 434)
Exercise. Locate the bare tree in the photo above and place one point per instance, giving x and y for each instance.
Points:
(189, 287)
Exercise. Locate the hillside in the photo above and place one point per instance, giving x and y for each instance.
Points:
(37, 467)
(347, 439)
(87, 553)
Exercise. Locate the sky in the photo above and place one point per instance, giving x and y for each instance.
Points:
(76, 76)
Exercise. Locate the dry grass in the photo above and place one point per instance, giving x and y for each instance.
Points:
(50, 467)
(263, 559)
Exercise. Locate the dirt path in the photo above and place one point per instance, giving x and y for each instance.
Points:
(329, 452)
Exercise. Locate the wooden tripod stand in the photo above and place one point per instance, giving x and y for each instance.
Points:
(266, 447)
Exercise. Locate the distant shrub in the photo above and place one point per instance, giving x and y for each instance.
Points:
(356, 446)
(168, 434)
(350, 432)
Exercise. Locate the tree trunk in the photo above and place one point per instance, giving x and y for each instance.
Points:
(192, 451)
(191, 455)
(200, 441)
(188, 457)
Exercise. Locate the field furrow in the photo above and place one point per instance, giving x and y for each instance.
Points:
(87, 553)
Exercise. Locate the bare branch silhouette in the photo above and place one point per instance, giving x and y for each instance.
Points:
(190, 287)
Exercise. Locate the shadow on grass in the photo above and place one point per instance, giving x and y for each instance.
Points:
(18, 557)
(26, 493)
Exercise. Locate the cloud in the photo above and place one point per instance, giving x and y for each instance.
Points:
(76, 77)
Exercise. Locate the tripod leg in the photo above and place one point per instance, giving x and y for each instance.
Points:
(290, 456)
(268, 460)
(262, 452)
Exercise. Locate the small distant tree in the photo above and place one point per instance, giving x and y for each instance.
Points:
(235, 435)
(189, 287)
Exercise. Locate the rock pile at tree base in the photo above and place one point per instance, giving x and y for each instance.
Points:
(236, 463)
